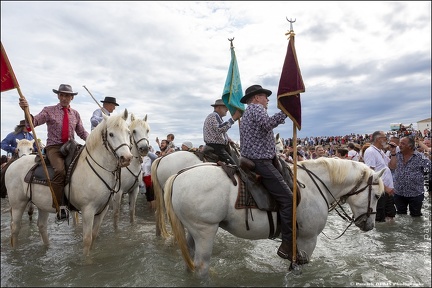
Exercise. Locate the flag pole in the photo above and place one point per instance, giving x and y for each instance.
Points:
(95, 101)
(29, 120)
(294, 198)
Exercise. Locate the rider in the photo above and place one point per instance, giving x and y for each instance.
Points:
(215, 131)
(109, 105)
(53, 116)
(257, 144)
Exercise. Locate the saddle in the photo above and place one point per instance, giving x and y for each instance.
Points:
(70, 150)
(254, 190)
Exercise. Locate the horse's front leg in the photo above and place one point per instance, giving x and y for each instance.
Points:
(87, 225)
(97, 224)
(42, 224)
(132, 203)
(116, 203)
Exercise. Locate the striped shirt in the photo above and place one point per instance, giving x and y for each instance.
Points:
(215, 129)
(256, 132)
(53, 117)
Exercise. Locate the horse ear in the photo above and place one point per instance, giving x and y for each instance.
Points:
(145, 118)
(277, 136)
(380, 173)
(125, 114)
(17, 140)
(132, 117)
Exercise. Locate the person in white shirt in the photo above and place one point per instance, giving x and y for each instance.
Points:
(352, 153)
(376, 159)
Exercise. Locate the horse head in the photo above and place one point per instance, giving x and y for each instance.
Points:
(25, 147)
(279, 144)
(140, 130)
(363, 198)
(113, 132)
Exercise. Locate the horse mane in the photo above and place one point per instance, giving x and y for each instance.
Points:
(94, 138)
(338, 168)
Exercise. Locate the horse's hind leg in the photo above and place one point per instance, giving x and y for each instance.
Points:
(42, 224)
(15, 225)
(203, 237)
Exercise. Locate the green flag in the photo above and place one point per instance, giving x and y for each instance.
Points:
(233, 90)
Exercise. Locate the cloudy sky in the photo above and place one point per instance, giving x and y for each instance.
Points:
(364, 64)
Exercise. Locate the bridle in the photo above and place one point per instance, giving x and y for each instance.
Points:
(116, 172)
(140, 159)
(354, 191)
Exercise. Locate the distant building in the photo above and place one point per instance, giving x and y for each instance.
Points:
(424, 124)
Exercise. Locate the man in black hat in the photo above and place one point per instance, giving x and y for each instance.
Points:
(62, 124)
(258, 144)
(215, 131)
(108, 106)
(9, 143)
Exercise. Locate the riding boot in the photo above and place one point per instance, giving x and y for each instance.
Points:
(58, 193)
(285, 250)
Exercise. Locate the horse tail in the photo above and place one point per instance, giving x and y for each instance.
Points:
(158, 194)
(176, 225)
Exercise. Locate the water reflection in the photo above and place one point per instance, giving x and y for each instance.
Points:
(393, 253)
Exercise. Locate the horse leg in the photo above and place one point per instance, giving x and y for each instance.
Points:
(15, 225)
(305, 248)
(203, 237)
(42, 224)
(97, 222)
(30, 210)
(87, 224)
(132, 203)
(116, 203)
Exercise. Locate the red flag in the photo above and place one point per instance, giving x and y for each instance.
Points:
(8, 80)
(291, 85)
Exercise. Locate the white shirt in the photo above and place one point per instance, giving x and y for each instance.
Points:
(377, 160)
(146, 166)
(353, 155)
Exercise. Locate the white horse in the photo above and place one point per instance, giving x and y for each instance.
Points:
(25, 147)
(202, 199)
(162, 168)
(91, 186)
(131, 175)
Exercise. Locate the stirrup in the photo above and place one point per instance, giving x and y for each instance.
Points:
(63, 213)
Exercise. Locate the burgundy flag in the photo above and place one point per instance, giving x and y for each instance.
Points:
(291, 85)
(8, 80)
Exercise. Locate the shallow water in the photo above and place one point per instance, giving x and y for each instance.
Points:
(393, 254)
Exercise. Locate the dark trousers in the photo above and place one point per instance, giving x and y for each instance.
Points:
(385, 207)
(221, 151)
(278, 188)
(56, 160)
(414, 204)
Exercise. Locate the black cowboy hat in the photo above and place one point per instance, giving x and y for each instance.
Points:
(218, 102)
(22, 123)
(65, 88)
(110, 100)
(254, 90)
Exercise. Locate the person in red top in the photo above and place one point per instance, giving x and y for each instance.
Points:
(54, 116)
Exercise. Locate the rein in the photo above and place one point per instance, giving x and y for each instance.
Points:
(139, 159)
(343, 198)
(116, 172)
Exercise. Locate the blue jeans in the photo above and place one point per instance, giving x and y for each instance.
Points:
(414, 203)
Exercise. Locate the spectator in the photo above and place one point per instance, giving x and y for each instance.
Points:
(319, 151)
(376, 159)
(187, 146)
(352, 153)
(409, 166)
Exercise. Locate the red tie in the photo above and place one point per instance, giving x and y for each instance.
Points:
(65, 129)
